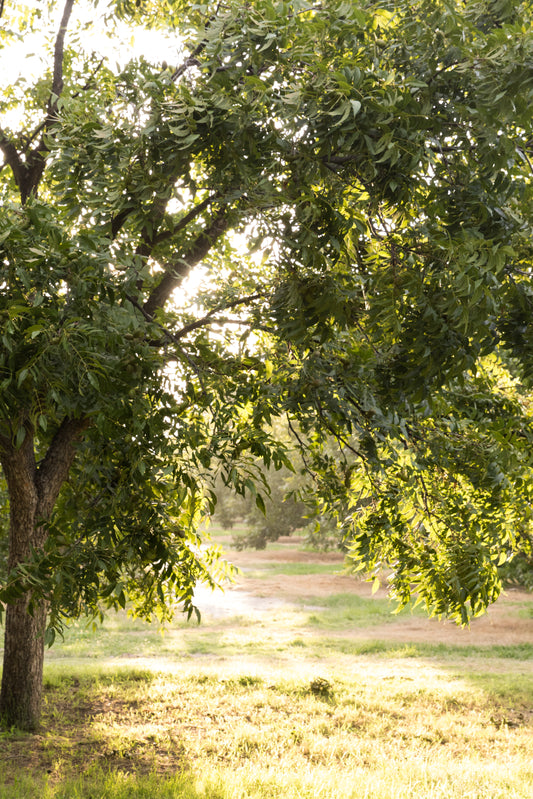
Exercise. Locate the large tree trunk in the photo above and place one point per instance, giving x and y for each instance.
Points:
(32, 495)
(22, 676)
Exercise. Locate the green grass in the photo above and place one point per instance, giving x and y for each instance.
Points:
(271, 569)
(341, 614)
(245, 785)
(100, 784)
(345, 646)
(525, 612)
(342, 610)
(377, 731)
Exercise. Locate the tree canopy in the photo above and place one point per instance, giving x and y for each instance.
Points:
(349, 183)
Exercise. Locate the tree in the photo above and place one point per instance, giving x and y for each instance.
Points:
(281, 512)
(354, 181)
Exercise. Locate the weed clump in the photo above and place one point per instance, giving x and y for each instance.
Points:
(321, 688)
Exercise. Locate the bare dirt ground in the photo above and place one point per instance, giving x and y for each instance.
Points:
(507, 622)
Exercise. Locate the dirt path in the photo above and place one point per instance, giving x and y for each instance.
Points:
(508, 621)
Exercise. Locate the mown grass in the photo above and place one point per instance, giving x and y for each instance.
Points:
(382, 731)
(422, 650)
(271, 569)
(323, 632)
(123, 636)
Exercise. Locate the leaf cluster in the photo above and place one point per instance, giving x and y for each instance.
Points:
(353, 184)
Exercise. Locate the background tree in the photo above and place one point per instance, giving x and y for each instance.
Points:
(279, 512)
(354, 183)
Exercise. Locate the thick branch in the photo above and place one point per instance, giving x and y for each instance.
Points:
(18, 465)
(55, 466)
(177, 271)
(12, 158)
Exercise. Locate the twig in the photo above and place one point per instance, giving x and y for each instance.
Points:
(209, 317)
(303, 449)
(183, 222)
(192, 59)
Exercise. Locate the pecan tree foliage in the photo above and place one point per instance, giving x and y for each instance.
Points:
(352, 180)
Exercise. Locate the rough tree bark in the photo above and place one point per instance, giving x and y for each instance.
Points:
(20, 696)
(32, 491)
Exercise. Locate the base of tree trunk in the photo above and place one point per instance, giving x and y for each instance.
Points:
(22, 677)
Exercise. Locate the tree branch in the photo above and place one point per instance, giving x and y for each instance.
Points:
(178, 270)
(55, 466)
(18, 463)
(29, 175)
(209, 318)
(59, 49)
(150, 241)
(40, 128)
(12, 158)
(192, 60)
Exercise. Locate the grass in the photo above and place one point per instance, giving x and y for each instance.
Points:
(345, 609)
(233, 637)
(271, 569)
(288, 704)
(422, 650)
(388, 731)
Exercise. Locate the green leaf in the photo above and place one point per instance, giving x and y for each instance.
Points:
(20, 437)
(260, 503)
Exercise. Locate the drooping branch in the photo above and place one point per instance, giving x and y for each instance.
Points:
(178, 270)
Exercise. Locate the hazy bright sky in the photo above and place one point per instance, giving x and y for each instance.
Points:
(25, 54)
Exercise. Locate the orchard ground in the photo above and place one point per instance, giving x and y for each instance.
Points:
(298, 683)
